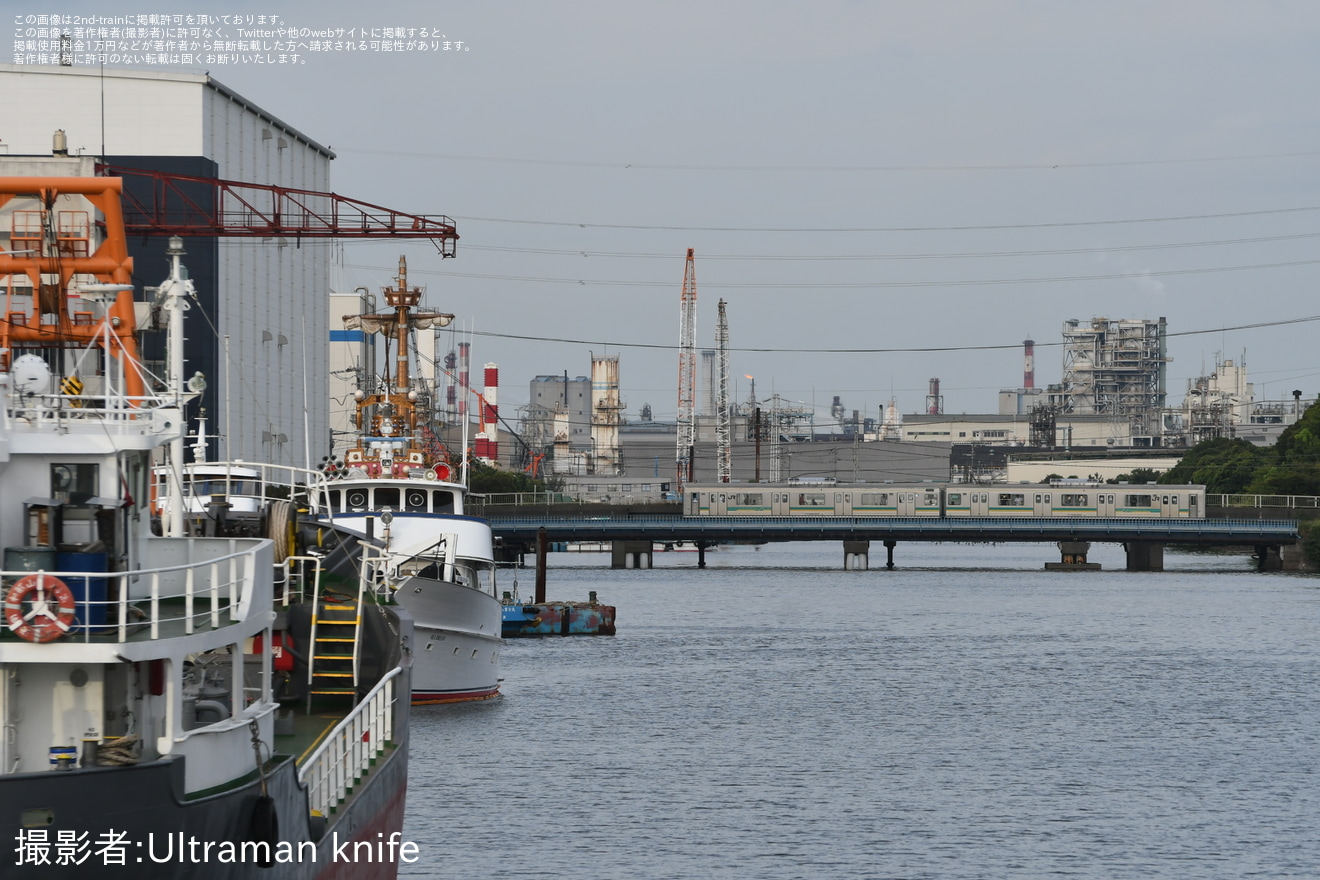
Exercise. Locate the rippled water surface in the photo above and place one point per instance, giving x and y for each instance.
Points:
(967, 715)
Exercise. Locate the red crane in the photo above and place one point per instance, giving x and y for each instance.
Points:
(185, 204)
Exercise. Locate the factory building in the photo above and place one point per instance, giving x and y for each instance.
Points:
(258, 329)
(1115, 369)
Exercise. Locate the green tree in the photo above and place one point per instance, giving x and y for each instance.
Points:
(1138, 475)
(487, 480)
(1222, 465)
(1295, 468)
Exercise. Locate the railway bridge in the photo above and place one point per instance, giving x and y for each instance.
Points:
(633, 534)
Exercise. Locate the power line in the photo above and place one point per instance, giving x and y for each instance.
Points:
(843, 229)
(660, 166)
(916, 350)
(864, 285)
(957, 255)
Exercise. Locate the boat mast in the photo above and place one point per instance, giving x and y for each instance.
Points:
(173, 299)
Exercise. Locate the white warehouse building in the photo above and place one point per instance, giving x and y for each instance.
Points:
(260, 334)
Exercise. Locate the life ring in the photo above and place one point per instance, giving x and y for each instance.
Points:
(52, 610)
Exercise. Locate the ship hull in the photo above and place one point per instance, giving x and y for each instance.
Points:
(458, 641)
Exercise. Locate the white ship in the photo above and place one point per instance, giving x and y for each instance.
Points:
(140, 683)
(396, 486)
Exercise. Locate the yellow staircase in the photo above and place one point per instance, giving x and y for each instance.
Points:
(336, 645)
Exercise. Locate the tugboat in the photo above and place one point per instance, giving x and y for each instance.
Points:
(397, 485)
(157, 716)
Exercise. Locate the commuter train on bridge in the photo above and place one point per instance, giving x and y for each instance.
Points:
(1066, 499)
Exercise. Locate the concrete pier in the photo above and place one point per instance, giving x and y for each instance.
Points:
(1268, 558)
(1072, 557)
(856, 555)
(1145, 555)
(630, 554)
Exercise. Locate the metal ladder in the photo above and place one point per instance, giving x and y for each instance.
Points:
(335, 657)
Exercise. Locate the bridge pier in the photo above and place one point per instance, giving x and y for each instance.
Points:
(1268, 558)
(1073, 557)
(889, 546)
(1144, 555)
(701, 554)
(856, 555)
(630, 554)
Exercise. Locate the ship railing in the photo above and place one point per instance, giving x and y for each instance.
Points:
(1291, 502)
(49, 410)
(163, 602)
(249, 479)
(293, 576)
(346, 754)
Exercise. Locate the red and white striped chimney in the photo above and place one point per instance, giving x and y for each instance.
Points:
(1029, 364)
(463, 386)
(488, 444)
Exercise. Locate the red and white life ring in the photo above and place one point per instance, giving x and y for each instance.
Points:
(49, 605)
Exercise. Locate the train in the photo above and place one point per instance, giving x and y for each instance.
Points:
(1066, 499)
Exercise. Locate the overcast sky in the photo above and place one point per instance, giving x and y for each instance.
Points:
(852, 175)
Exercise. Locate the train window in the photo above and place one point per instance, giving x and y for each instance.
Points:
(1069, 499)
(955, 498)
(1175, 500)
(1138, 501)
(1038, 498)
(749, 499)
(1048, 496)
(1012, 499)
(811, 499)
(1166, 499)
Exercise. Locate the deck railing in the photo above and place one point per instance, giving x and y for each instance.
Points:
(165, 601)
(346, 753)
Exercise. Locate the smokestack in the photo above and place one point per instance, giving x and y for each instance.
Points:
(488, 444)
(934, 403)
(1029, 363)
(451, 387)
(464, 352)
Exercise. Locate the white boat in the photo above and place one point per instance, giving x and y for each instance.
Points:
(396, 487)
(140, 680)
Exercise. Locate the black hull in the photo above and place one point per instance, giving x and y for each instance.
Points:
(161, 833)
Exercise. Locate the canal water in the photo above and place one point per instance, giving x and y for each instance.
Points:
(967, 715)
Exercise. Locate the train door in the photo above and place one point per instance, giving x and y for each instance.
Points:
(907, 503)
(694, 504)
(779, 504)
(843, 503)
(1044, 505)
(1104, 504)
(980, 505)
(719, 503)
(1170, 505)
(1194, 504)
